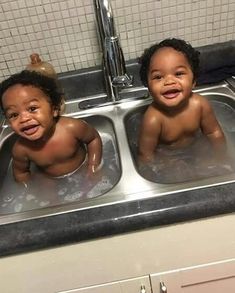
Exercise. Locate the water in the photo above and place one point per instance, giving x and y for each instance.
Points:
(194, 162)
(44, 192)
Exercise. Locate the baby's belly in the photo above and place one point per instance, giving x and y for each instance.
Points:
(179, 143)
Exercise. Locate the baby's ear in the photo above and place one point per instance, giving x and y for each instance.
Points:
(56, 112)
(194, 84)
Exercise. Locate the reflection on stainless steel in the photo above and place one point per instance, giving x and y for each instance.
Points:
(114, 67)
(131, 185)
(231, 82)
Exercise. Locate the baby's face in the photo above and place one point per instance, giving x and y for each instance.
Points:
(170, 78)
(28, 111)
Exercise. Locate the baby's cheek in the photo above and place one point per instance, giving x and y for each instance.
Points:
(11, 124)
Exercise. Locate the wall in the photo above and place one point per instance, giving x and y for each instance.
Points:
(64, 32)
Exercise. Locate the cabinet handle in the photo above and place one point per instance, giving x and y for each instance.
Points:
(163, 288)
(142, 289)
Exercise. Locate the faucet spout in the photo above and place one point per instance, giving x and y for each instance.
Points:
(114, 66)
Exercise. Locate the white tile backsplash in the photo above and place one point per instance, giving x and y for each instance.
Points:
(64, 32)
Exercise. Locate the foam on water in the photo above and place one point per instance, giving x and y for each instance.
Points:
(196, 161)
(43, 191)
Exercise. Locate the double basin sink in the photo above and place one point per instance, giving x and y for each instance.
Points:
(120, 179)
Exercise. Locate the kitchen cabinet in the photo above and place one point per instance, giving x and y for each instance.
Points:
(194, 255)
(216, 277)
(135, 285)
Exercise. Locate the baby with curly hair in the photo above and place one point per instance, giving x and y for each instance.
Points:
(57, 145)
(169, 70)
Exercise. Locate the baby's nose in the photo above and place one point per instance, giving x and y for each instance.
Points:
(24, 116)
(169, 79)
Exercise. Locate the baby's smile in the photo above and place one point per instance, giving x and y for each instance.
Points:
(171, 94)
(30, 129)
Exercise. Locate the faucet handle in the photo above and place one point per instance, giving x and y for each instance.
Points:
(122, 80)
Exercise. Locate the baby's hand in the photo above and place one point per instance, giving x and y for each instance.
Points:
(94, 170)
(25, 185)
(144, 160)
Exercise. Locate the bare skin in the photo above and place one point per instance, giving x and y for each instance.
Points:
(176, 113)
(55, 144)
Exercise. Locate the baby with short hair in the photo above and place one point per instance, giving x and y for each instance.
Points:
(57, 145)
(169, 70)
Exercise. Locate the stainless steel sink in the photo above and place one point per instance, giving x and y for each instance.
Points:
(194, 162)
(46, 192)
(114, 123)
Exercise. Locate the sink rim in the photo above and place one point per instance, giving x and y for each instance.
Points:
(125, 191)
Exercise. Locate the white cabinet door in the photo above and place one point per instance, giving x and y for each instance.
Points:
(135, 285)
(210, 278)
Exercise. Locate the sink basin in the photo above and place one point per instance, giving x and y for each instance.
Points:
(121, 180)
(192, 163)
(44, 192)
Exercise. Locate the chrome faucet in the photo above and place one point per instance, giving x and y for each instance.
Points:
(113, 64)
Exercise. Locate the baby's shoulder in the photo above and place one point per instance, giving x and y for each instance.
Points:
(153, 109)
(197, 97)
(199, 100)
(68, 121)
(152, 114)
(70, 124)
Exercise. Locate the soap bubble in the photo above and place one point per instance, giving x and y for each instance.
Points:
(43, 191)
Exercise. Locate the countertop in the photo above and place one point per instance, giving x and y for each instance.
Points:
(93, 223)
(108, 220)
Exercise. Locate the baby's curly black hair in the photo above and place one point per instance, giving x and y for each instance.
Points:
(182, 46)
(46, 84)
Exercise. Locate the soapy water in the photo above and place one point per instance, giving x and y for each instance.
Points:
(194, 162)
(42, 191)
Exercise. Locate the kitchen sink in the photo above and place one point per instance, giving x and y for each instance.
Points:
(45, 192)
(190, 163)
(121, 180)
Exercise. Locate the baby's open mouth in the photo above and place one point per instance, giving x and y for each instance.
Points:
(170, 94)
(29, 130)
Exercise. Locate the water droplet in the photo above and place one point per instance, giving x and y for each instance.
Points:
(44, 203)
(18, 207)
(8, 198)
(30, 197)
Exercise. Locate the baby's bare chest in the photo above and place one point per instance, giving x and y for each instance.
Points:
(179, 127)
(54, 152)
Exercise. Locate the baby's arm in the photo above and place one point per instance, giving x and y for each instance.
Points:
(20, 164)
(211, 127)
(90, 136)
(149, 136)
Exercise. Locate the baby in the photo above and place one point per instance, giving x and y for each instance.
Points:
(57, 145)
(169, 70)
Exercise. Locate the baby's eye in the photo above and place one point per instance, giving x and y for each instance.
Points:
(32, 108)
(11, 116)
(180, 73)
(157, 76)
